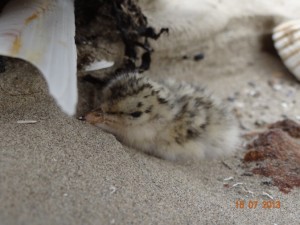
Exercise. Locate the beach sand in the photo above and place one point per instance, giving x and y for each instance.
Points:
(60, 170)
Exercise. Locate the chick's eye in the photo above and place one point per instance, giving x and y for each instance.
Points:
(136, 114)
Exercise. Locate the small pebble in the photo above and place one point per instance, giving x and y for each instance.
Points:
(199, 57)
(230, 98)
(260, 123)
(268, 183)
(271, 83)
(185, 57)
(237, 112)
(239, 104)
(290, 93)
(284, 105)
(253, 93)
(251, 84)
(277, 87)
(237, 93)
(248, 174)
(243, 126)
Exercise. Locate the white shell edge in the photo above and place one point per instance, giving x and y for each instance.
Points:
(286, 37)
(42, 32)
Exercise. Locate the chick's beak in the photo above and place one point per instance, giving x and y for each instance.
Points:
(94, 117)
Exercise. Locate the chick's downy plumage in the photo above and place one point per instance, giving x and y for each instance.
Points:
(170, 119)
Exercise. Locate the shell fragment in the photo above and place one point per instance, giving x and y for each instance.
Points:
(286, 39)
(98, 65)
(42, 33)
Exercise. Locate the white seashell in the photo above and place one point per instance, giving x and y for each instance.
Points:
(286, 39)
(42, 33)
(98, 65)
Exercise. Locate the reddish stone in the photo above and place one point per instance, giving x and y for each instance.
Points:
(289, 126)
(277, 154)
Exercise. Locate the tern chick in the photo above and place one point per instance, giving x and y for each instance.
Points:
(172, 120)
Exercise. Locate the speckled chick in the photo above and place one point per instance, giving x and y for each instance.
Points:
(172, 120)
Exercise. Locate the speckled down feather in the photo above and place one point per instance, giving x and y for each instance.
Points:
(172, 120)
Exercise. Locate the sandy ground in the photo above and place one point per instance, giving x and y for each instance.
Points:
(63, 171)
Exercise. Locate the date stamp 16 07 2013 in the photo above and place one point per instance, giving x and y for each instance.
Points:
(253, 204)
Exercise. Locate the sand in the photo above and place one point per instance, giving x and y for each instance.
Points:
(60, 170)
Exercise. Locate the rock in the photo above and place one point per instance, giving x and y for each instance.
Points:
(289, 126)
(276, 153)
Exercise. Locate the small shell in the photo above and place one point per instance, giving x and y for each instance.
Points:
(286, 38)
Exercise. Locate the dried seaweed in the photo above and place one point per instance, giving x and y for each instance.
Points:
(2, 4)
(127, 19)
(2, 64)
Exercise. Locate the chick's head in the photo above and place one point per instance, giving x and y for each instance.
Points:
(131, 101)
